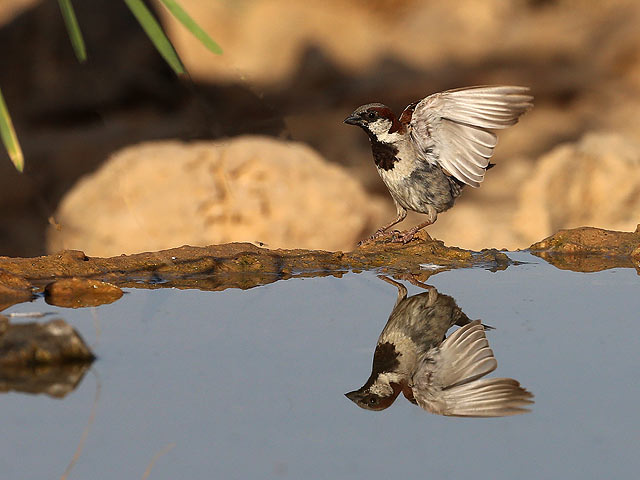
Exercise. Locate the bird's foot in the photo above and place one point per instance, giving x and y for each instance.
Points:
(408, 235)
(402, 237)
(380, 233)
(414, 279)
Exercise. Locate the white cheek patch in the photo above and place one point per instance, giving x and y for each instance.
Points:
(380, 128)
(381, 386)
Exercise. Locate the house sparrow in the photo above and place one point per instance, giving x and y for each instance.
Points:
(441, 375)
(437, 146)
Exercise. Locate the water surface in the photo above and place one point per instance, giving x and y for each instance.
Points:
(250, 384)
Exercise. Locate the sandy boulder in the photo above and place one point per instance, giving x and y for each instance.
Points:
(595, 182)
(164, 194)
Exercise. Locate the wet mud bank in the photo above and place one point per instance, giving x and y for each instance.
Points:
(73, 279)
(234, 265)
(589, 249)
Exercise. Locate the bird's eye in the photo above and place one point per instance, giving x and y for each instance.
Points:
(372, 401)
(371, 115)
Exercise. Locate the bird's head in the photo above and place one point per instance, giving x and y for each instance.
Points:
(377, 395)
(376, 119)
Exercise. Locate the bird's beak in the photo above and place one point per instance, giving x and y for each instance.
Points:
(352, 120)
(355, 395)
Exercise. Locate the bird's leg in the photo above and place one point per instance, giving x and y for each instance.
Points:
(402, 290)
(382, 230)
(412, 278)
(402, 214)
(407, 235)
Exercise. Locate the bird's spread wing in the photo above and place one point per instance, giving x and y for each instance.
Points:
(449, 380)
(452, 128)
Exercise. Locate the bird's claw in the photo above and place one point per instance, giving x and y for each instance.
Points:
(402, 237)
(380, 233)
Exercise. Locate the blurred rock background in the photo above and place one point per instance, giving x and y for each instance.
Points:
(293, 71)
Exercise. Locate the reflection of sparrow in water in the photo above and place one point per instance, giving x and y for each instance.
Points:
(437, 146)
(441, 375)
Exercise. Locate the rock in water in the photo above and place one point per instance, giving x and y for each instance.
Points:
(33, 344)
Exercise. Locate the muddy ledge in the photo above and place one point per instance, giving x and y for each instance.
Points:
(589, 249)
(244, 265)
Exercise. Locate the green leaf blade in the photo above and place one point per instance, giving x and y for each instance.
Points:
(184, 18)
(73, 29)
(9, 138)
(155, 33)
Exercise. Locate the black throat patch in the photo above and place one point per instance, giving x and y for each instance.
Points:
(385, 359)
(384, 154)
